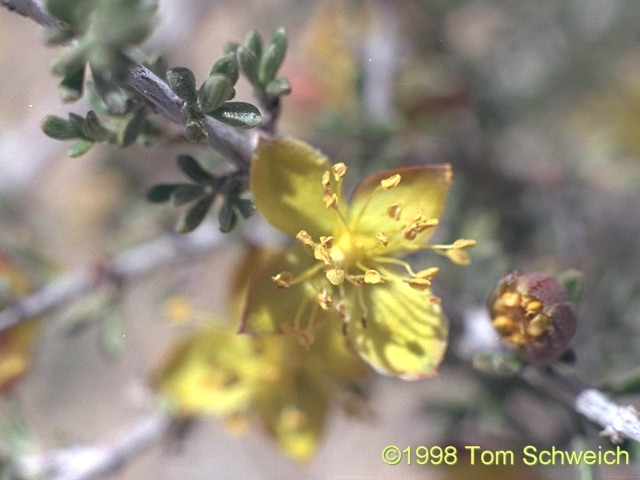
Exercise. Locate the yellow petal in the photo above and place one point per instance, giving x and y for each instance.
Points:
(294, 413)
(422, 191)
(267, 307)
(16, 343)
(213, 371)
(16, 349)
(334, 353)
(403, 334)
(286, 181)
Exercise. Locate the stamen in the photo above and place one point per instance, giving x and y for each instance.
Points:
(326, 242)
(335, 276)
(428, 273)
(394, 211)
(459, 257)
(283, 279)
(326, 181)
(304, 238)
(392, 181)
(464, 243)
(330, 200)
(339, 169)
(418, 226)
(382, 238)
(396, 261)
(419, 284)
(372, 277)
(322, 253)
(324, 299)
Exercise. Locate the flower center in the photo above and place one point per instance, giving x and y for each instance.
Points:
(520, 319)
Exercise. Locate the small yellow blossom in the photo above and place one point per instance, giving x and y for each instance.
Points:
(346, 269)
(17, 342)
(274, 378)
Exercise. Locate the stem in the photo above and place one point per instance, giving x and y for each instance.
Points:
(235, 145)
(34, 10)
(134, 262)
(86, 462)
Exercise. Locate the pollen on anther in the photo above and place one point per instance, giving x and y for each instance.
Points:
(394, 211)
(326, 180)
(283, 279)
(372, 277)
(335, 276)
(382, 238)
(330, 200)
(339, 169)
(419, 284)
(392, 181)
(428, 273)
(304, 238)
(464, 243)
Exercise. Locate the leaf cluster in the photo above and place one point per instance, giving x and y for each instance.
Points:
(100, 34)
(260, 65)
(202, 194)
(212, 98)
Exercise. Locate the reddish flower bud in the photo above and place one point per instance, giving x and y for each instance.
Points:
(532, 312)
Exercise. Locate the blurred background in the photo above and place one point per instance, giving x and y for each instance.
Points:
(536, 104)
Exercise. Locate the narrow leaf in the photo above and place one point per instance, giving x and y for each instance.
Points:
(227, 217)
(227, 66)
(253, 43)
(93, 129)
(238, 114)
(194, 216)
(183, 82)
(215, 90)
(162, 193)
(129, 134)
(80, 148)
(59, 128)
(246, 207)
(71, 86)
(195, 131)
(193, 170)
(278, 86)
(185, 194)
(249, 65)
(273, 57)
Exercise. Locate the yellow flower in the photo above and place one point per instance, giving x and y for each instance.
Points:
(347, 270)
(272, 377)
(288, 387)
(17, 342)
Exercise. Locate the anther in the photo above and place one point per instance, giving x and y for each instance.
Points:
(428, 273)
(372, 277)
(392, 181)
(394, 211)
(304, 238)
(419, 284)
(335, 276)
(464, 243)
(339, 169)
(283, 279)
(382, 238)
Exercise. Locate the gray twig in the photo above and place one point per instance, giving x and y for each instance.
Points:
(88, 462)
(619, 422)
(135, 262)
(33, 10)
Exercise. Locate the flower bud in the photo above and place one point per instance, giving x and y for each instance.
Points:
(533, 313)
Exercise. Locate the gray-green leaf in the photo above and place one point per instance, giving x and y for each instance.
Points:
(238, 114)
